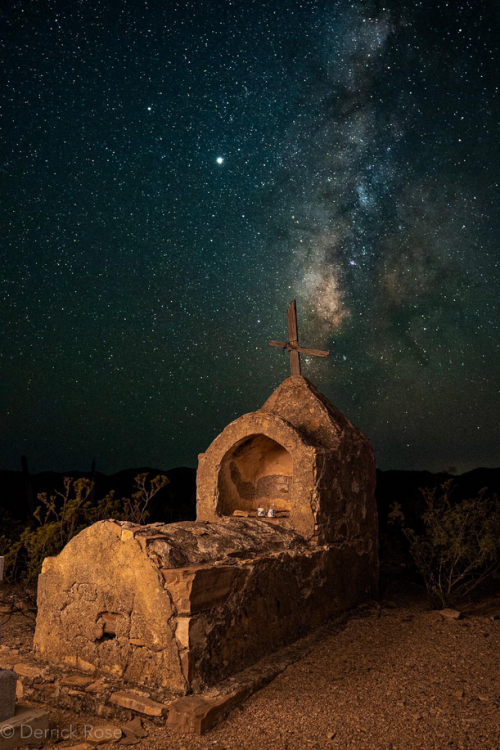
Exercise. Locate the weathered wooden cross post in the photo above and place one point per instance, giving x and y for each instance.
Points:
(292, 344)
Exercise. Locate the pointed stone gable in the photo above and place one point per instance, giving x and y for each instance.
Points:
(303, 406)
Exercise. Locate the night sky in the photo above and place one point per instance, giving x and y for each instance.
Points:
(174, 173)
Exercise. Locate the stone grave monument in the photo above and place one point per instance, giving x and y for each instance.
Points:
(286, 536)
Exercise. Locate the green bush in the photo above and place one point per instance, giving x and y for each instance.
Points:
(459, 546)
(63, 515)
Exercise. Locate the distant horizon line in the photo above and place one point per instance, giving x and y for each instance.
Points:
(67, 472)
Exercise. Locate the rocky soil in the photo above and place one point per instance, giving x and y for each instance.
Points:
(397, 677)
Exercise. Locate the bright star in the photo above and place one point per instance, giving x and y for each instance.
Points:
(220, 160)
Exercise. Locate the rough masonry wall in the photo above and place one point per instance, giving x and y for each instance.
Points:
(343, 497)
(274, 601)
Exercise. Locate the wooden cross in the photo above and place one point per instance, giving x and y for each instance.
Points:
(292, 344)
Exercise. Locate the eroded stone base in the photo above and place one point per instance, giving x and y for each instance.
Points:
(106, 699)
(183, 606)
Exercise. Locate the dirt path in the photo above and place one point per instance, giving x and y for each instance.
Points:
(405, 680)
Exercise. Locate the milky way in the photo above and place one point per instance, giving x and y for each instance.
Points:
(174, 175)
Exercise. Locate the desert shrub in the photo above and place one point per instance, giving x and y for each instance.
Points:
(135, 508)
(62, 515)
(459, 545)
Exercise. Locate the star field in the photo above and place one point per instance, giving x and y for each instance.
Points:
(175, 173)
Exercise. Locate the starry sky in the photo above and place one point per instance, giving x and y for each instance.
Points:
(174, 173)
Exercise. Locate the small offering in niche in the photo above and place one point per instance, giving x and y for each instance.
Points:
(262, 512)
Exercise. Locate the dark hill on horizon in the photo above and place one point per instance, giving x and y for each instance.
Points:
(177, 501)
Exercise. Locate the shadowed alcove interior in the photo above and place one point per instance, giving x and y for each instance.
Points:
(255, 471)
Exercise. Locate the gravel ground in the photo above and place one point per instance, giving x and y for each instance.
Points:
(403, 680)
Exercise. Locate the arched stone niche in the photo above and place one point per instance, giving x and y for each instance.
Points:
(259, 459)
(256, 472)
